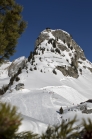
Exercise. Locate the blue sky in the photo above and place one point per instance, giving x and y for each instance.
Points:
(73, 16)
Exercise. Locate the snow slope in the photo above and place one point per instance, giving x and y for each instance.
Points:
(45, 92)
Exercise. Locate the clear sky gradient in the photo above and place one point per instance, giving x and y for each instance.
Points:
(73, 16)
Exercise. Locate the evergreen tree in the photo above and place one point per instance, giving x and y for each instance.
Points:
(87, 124)
(61, 131)
(11, 27)
(61, 110)
(9, 121)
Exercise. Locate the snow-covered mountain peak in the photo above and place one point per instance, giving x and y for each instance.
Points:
(56, 50)
(51, 34)
(55, 74)
(60, 39)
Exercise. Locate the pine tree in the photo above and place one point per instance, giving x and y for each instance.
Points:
(61, 110)
(87, 129)
(61, 131)
(9, 121)
(11, 27)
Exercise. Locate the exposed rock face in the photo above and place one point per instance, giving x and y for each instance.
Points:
(14, 67)
(62, 47)
(60, 34)
(65, 37)
(72, 72)
(41, 38)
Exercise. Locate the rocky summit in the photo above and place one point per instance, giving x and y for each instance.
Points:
(56, 74)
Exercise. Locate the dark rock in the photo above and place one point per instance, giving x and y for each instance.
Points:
(87, 111)
(19, 86)
(1, 92)
(62, 47)
(70, 71)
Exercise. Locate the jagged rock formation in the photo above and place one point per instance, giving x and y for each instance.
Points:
(70, 71)
(62, 42)
(65, 37)
(15, 65)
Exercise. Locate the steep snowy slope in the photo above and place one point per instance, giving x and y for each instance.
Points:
(56, 74)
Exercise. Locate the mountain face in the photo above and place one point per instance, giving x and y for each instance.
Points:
(61, 43)
(57, 74)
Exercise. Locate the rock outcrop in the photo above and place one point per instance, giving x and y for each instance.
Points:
(19, 86)
(15, 65)
(70, 71)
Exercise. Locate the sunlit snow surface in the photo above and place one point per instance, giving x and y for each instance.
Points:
(40, 106)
